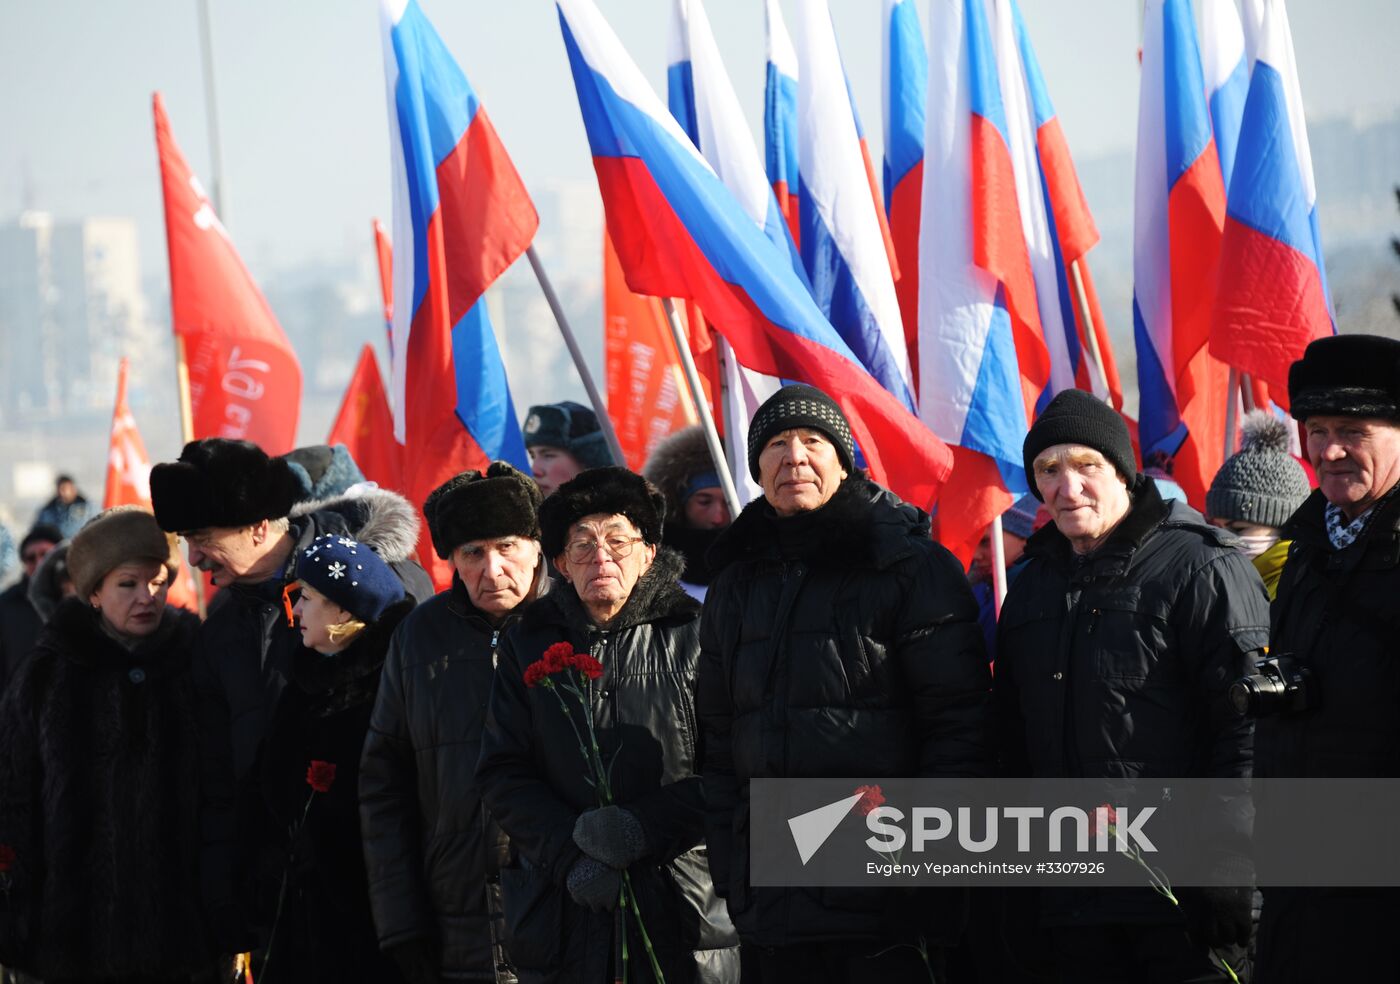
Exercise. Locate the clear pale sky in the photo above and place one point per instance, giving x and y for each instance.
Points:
(301, 95)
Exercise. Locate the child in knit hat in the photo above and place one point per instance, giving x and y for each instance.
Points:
(1255, 492)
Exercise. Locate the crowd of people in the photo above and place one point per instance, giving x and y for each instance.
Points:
(542, 773)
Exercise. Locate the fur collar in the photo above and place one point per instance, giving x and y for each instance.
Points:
(862, 523)
(378, 518)
(75, 633)
(1308, 524)
(315, 673)
(657, 596)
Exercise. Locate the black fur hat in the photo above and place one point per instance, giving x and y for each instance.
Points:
(602, 490)
(218, 482)
(1346, 376)
(473, 506)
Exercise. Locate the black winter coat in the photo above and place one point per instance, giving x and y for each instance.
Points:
(19, 628)
(840, 642)
(241, 665)
(325, 933)
(1117, 665)
(99, 801)
(1337, 612)
(534, 781)
(429, 844)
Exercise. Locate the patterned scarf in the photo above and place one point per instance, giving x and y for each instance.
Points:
(1341, 533)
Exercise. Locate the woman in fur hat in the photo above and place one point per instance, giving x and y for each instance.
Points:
(99, 823)
(302, 810)
(620, 603)
(696, 513)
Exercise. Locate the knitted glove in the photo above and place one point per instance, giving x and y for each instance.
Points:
(594, 885)
(612, 835)
(1218, 916)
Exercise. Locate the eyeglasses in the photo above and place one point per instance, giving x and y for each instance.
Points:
(616, 547)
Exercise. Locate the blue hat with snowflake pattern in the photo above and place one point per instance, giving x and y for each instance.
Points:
(350, 574)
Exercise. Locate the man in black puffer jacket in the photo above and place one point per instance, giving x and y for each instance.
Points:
(432, 853)
(837, 640)
(1116, 645)
(238, 510)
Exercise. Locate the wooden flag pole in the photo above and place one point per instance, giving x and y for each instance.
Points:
(1091, 334)
(604, 421)
(702, 406)
(182, 385)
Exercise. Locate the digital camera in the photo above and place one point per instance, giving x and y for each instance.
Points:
(1279, 683)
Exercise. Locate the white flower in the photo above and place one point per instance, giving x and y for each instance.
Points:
(337, 570)
(345, 541)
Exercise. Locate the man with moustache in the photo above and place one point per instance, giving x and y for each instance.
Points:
(235, 507)
(1115, 650)
(1337, 616)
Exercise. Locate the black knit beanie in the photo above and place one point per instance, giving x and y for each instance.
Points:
(1078, 417)
(799, 405)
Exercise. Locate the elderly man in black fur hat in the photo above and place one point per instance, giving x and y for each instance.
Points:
(619, 604)
(1336, 617)
(837, 640)
(431, 851)
(235, 508)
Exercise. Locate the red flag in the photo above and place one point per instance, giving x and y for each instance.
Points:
(129, 480)
(245, 381)
(647, 395)
(365, 425)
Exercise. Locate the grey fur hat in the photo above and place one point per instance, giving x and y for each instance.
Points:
(1262, 483)
(675, 463)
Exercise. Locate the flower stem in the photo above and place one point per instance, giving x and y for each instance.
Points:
(282, 890)
(629, 893)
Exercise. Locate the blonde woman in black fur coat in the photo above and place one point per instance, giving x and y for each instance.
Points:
(99, 827)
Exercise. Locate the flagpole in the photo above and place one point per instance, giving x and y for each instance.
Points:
(604, 421)
(1091, 334)
(998, 564)
(1232, 399)
(702, 406)
(211, 110)
(182, 385)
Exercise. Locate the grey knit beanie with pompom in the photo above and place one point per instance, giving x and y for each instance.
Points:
(1261, 484)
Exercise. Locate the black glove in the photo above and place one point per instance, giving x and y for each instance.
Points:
(1218, 916)
(594, 885)
(417, 960)
(612, 835)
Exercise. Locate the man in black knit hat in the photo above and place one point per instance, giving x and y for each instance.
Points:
(1115, 648)
(837, 639)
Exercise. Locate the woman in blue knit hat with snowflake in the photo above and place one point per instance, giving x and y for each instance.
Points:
(310, 898)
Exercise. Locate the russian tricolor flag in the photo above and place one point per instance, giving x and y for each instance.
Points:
(1055, 218)
(780, 115)
(1272, 298)
(983, 362)
(1178, 213)
(680, 233)
(842, 244)
(1225, 68)
(461, 216)
(905, 90)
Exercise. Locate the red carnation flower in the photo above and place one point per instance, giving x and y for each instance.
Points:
(588, 666)
(7, 857)
(320, 775)
(558, 656)
(1112, 815)
(871, 798)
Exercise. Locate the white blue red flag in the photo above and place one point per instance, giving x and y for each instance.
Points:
(680, 232)
(983, 361)
(1178, 213)
(780, 115)
(461, 217)
(1272, 299)
(1055, 218)
(1225, 68)
(905, 91)
(699, 92)
(842, 244)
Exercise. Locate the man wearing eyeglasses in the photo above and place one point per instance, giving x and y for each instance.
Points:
(837, 640)
(19, 621)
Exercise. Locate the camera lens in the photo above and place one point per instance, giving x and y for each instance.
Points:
(1244, 696)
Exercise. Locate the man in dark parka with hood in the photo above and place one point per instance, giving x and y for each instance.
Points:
(432, 852)
(837, 640)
